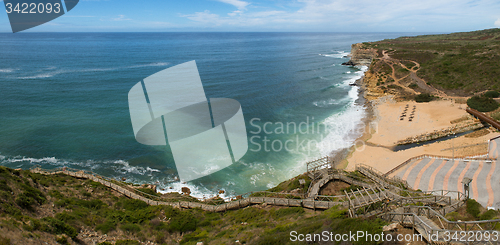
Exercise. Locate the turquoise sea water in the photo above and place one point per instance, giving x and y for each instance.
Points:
(63, 100)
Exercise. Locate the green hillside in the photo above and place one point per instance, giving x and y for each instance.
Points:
(59, 209)
(458, 64)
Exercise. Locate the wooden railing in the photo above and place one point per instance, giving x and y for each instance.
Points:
(250, 198)
(410, 215)
(380, 177)
(314, 166)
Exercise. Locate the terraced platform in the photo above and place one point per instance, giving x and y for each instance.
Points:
(432, 173)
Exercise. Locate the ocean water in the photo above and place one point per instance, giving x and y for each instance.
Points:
(64, 101)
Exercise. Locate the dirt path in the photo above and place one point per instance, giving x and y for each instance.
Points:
(413, 75)
(390, 62)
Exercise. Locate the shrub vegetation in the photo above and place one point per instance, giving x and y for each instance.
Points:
(492, 94)
(473, 208)
(482, 103)
(424, 97)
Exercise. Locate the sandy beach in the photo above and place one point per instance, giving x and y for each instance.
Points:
(386, 128)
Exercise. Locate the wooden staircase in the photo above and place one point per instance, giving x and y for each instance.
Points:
(363, 198)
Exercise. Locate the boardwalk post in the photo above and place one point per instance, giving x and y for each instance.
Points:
(413, 223)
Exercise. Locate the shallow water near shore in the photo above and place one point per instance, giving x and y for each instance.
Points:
(64, 101)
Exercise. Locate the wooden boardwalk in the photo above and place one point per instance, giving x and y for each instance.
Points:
(154, 200)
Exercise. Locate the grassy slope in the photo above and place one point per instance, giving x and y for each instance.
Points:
(36, 207)
(458, 63)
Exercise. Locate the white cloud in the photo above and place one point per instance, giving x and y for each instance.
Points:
(237, 3)
(120, 17)
(209, 19)
(234, 13)
(361, 15)
(204, 17)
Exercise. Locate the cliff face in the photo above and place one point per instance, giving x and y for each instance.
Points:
(372, 90)
(361, 56)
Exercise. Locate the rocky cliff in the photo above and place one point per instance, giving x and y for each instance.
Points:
(361, 56)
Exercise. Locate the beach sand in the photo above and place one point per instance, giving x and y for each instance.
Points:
(386, 128)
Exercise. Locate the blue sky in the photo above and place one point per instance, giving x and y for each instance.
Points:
(274, 15)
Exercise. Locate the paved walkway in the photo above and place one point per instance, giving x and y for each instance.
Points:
(430, 174)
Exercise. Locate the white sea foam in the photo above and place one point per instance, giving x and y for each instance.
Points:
(92, 70)
(150, 64)
(55, 72)
(42, 75)
(197, 191)
(124, 167)
(326, 103)
(338, 54)
(7, 70)
(344, 128)
(49, 160)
